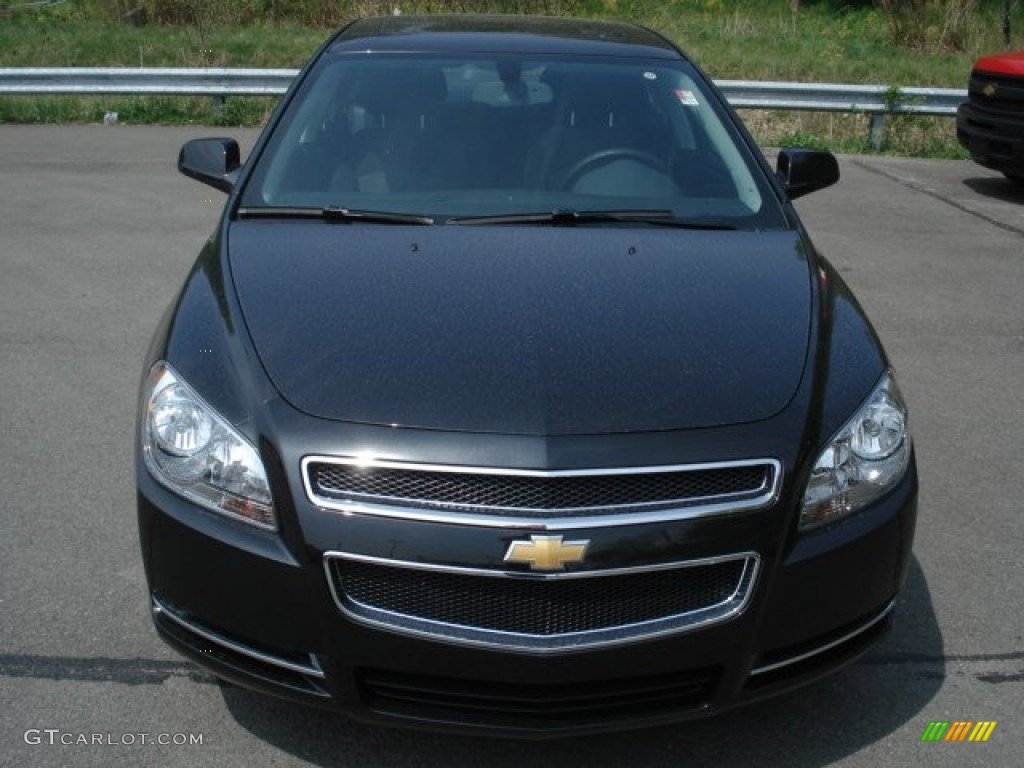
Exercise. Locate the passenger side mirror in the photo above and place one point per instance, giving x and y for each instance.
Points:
(803, 171)
(211, 161)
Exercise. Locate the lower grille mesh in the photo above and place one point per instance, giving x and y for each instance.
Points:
(529, 607)
(541, 613)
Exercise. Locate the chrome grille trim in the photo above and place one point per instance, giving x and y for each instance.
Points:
(880, 616)
(312, 669)
(554, 519)
(459, 634)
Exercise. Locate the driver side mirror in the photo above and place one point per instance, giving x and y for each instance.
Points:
(212, 161)
(803, 171)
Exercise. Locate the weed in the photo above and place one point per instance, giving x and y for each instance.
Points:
(850, 41)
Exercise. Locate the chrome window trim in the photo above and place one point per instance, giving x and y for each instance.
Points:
(313, 669)
(459, 634)
(828, 646)
(639, 513)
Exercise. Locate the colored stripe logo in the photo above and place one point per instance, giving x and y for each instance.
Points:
(958, 730)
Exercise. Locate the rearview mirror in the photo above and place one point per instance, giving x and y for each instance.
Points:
(803, 171)
(211, 161)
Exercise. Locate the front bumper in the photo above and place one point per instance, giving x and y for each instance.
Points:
(257, 608)
(995, 139)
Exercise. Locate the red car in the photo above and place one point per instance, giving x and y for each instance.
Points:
(990, 124)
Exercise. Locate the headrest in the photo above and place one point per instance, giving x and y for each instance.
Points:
(390, 89)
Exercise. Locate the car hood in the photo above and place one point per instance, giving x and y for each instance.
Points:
(1002, 64)
(525, 330)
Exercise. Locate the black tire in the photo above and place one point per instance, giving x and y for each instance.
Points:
(1018, 180)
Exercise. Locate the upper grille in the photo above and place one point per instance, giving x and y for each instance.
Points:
(387, 487)
(568, 611)
(1007, 97)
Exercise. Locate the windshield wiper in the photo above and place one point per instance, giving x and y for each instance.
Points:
(337, 213)
(570, 218)
(334, 213)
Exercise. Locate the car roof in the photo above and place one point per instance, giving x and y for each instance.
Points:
(502, 34)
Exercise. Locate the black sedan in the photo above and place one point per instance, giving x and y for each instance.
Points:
(510, 396)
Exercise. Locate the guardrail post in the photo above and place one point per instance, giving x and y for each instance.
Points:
(877, 130)
(218, 103)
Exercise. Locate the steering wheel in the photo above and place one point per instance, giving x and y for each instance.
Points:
(605, 156)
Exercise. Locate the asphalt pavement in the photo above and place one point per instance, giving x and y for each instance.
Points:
(96, 232)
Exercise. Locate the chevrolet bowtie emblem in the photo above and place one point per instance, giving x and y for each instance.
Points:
(546, 553)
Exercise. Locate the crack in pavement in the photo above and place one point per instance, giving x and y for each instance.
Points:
(99, 669)
(994, 664)
(917, 187)
(138, 671)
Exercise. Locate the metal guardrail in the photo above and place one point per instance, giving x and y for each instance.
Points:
(877, 101)
(87, 81)
(830, 97)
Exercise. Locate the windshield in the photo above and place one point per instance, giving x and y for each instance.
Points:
(488, 136)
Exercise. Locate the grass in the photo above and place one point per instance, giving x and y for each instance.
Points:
(826, 41)
(54, 42)
(135, 110)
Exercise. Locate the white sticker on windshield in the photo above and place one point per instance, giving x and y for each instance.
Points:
(687, 98)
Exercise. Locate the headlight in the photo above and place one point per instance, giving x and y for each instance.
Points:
(193, 451)
(866, 458)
